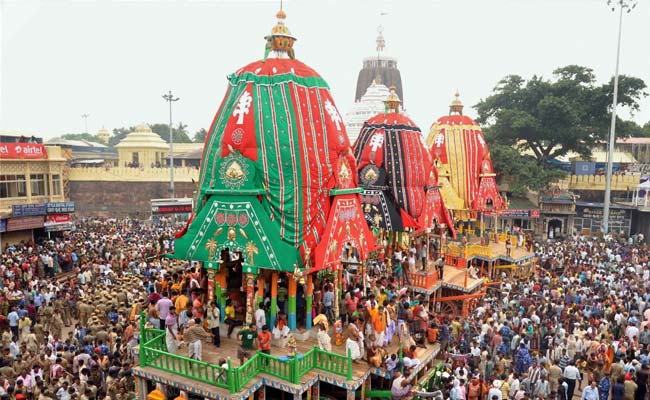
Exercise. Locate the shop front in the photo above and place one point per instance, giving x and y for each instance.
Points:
(21, 229)
(58, 218)
(589, 218)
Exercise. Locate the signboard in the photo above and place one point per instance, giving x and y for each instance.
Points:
(60, 207)
(54, 219)
(3, 225)
(19, 224)
(515, 213)
(26, 151)
(28, 210)
(171, 209)
(597, 213)
(66, 226)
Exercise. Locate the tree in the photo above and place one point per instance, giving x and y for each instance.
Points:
(119, 134)
(521, 172)
(82, 136)
(638, 130)
(179, 133)
(199, 136)
(570, 113)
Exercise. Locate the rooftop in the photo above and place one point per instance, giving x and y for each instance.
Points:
(143, 137)
(633, 140)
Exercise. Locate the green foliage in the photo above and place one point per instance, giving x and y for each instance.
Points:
(551, 118)
(179, 132)
(199, 136)
(82, 136)
(522, 173)
(119, 134)
(634, 130)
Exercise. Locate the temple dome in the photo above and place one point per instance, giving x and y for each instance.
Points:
(458, 147)
(370, 104)
(143, 137)
(279, 123)
(394, 168)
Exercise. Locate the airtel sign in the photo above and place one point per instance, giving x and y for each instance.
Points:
(22, 151)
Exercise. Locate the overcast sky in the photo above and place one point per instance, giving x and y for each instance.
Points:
(114, 59)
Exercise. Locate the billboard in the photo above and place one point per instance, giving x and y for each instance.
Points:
(515, 213)
(20, 224)
(26, 151)
(28, 210)
(60, 207)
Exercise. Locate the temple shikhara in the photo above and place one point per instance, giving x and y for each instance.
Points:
(286, 210)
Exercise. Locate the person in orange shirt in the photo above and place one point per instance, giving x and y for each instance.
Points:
(264, 340)
(180, 303)
(197, 305)
(379, 320)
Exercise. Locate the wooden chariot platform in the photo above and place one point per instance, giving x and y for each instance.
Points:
(176, 372)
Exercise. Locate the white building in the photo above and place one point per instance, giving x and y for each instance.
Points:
(371, 104)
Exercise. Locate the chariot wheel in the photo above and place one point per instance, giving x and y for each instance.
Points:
(448, 309)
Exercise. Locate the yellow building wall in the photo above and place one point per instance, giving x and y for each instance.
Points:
(598, 182)
(53, 165)
(146, 156)
(125, 174)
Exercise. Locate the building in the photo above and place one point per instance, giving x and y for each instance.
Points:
(370, 104)
(142, 148)
(379, 68)
(557, 211)
(32, 177)
(639, 147)
(104, 135)
(84, 152)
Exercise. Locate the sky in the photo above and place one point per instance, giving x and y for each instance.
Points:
(113, 59)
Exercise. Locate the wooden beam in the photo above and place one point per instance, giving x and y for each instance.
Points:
(460, 297)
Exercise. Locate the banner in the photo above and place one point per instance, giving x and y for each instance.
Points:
(60, 207)
(54, 219)
(172, 209)
(66, 226)
(28, 151)
(20, 224)
(597, 213)
(28, 210)
(3, 225)
(514, 213)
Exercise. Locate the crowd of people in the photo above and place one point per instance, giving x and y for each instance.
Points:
(576, 326)
(69, 309)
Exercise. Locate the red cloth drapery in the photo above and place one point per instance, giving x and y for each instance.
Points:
(346, 224)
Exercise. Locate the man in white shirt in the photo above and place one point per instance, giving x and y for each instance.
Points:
(260, 317)
(495, 391)
(590, 392)
(632, 332)
(401, 386)
(214, 315)
(571, 375)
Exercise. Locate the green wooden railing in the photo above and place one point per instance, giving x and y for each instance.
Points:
(153, 353)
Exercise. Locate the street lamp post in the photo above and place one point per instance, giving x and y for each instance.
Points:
(85, 118)
(627, 5)
(169, 97)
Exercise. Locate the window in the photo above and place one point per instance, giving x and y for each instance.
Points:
(12, 186)
(56, 185)
(38, 184)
